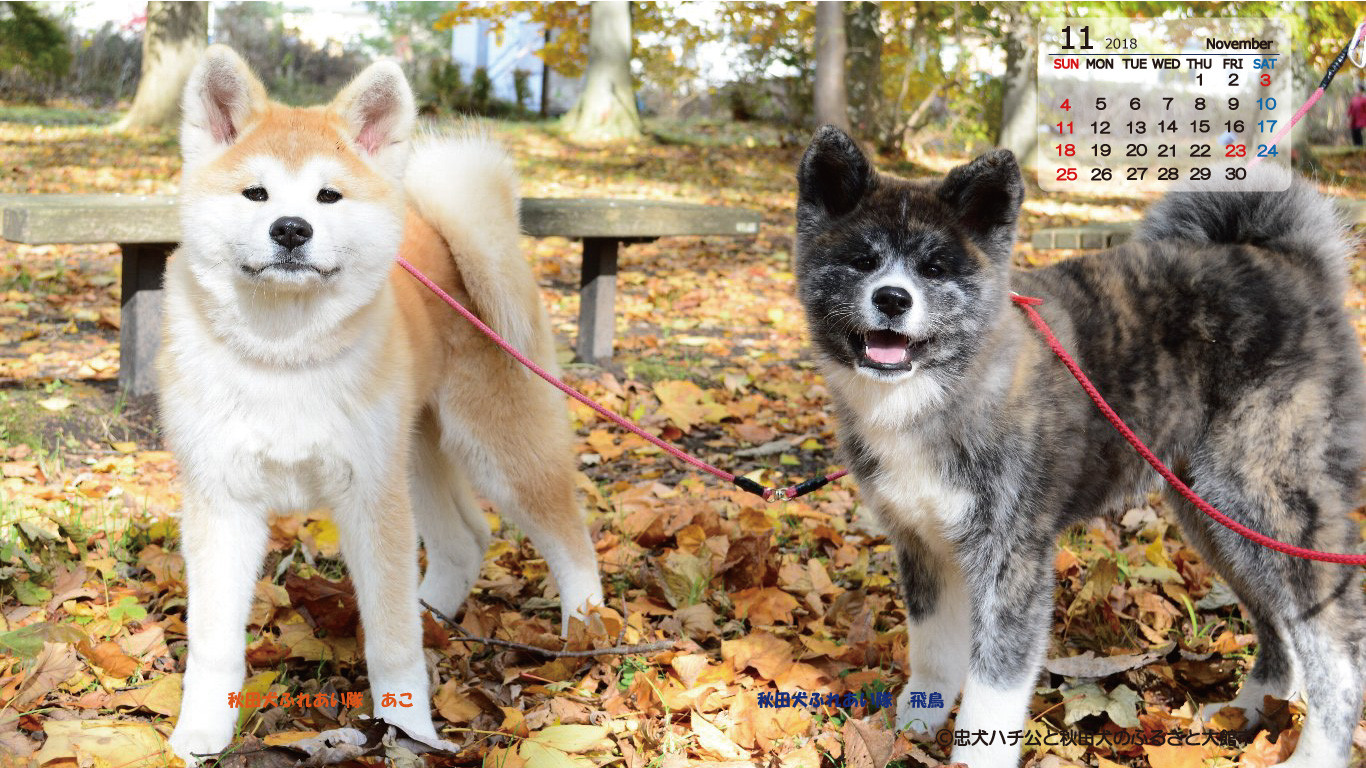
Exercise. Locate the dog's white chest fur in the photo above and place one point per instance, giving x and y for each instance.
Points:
(909, 486)
(279, 439)
(910, 483)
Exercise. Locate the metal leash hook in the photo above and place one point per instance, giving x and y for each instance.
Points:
(1355, 53)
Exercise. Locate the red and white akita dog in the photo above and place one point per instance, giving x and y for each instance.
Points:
(301, 369)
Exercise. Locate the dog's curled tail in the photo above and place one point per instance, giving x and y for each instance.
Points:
(464, 184)
(1297, 221)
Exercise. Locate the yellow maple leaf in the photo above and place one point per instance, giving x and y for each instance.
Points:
(686, 404)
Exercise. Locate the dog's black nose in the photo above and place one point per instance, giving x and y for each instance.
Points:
(891, 300)
(290, 231)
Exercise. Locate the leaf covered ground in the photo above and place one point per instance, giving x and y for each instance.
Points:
(761, 600)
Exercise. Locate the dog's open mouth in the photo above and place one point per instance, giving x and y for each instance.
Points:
(887, 350)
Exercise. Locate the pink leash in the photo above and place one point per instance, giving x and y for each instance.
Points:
(1349, 49)
(1026, 303)
(767, 494)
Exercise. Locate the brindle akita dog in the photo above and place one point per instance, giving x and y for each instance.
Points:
(1219, 334)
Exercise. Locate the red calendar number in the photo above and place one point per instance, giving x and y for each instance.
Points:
(1068, 150)
(1067, 105)
(1236, 150)
(1067, 174)
(1266, 79)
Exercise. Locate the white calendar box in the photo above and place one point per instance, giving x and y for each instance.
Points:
(1146, 103)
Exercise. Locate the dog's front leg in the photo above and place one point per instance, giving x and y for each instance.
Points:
(937, 633)
(379, 543)
(1010, 585)
(223, 543)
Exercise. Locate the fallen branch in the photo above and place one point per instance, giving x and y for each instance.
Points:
(770, 448)
(616, 650)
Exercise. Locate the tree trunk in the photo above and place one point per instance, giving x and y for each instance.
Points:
(545, 82)
(175, 37)
(606, 110)
(832, 104)
(1019, 104)
(864, 78)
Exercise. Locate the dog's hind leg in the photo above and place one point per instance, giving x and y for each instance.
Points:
(1332, 687)
(938, 634)
(1312, 613)
(1266, 602)
(454, 532)
(517, 452)
(1273, 672)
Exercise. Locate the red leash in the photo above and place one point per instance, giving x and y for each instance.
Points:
(1027, 303)
(767, 494)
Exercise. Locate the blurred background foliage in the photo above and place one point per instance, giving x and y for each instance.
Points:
(921, 76)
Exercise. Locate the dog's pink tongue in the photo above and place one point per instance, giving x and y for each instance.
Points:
(886, 347)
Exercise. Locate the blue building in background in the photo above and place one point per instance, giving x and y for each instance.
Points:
(474, 45)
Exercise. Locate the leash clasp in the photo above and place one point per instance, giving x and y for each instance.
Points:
(1355, 52)
(777, 494)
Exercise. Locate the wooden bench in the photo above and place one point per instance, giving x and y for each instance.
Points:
(147, 228)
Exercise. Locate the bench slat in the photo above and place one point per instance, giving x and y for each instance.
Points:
(76, 218)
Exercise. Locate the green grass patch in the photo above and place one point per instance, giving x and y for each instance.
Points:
(36, 114)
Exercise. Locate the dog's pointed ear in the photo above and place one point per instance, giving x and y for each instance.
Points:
(220, 99)
(379, 112)
(834, 174)
(985, 195)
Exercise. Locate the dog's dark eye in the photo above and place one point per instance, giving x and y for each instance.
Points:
(931, 269)
(865, 263)
(326, 195)
(255, 194)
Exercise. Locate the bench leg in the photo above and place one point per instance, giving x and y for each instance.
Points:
(144, 265)
(597, 295)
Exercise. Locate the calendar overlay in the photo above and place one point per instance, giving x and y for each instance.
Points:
(1143, 104)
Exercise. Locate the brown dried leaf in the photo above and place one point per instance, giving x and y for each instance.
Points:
(766, 654)
(331, 605)
(455, 706)
(712, 743)
(865, 745)
(765, 606)
(161, 696)
(54, 664)
(109, 657)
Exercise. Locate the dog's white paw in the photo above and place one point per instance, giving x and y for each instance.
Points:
(913, 712)
(195, 736)
(416, 721)
(1250, 699)
(1208, 711)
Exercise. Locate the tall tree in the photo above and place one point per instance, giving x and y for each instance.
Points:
(175, 37)
(864, 77)
(1019, 104)
(606, 108)
(832, 102)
